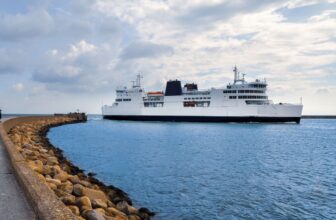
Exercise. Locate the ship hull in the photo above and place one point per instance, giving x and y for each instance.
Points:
(223, 119)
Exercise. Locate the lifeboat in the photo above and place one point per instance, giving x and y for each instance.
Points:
(158, 93)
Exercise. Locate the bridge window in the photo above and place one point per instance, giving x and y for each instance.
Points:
(229, 91)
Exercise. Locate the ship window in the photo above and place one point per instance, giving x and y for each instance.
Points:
(118, 100)
(233, 97)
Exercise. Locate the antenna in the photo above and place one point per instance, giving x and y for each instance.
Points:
(138, 80)
(236, 74)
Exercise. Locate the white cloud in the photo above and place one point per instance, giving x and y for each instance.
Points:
(24, 26)
(18, 87)
(90, 47)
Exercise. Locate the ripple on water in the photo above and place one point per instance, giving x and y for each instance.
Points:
(212, 171)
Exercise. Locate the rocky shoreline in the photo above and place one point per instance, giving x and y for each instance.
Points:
(84, 195)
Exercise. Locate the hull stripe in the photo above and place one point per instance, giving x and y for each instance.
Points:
(244, 119)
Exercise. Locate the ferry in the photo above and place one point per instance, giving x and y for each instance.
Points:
(240, 101)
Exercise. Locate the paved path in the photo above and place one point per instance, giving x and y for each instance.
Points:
(13, 204)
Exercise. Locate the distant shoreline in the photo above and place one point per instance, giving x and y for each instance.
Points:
(303, 116)
(318, 116)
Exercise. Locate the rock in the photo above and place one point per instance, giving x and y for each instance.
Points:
(145, 213)
(93, 215)
(134, 217)
(126, 208)
(63, 176)
(85, 209)
(74, 179)
(41, 177)
(132, 209)
(78, 190)
(114, 212)
(69, 199)
(54, 181)
(102, 211)
(36, 165)
(122, 206)
(55, 169)
(94, 194)
(52, 160)
(84, 201)
(52, 186)
(46, 169)
(85, 183)
(98, 203)
(74, 209)
(26, 153)
(42, 150)
(60, 193)
(110, 204)
(66, 187)
(120, 217)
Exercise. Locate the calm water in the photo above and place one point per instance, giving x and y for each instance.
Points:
(212, 171)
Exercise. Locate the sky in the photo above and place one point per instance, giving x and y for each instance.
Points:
(60, 56)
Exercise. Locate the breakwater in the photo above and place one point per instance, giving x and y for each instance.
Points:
(57, 188)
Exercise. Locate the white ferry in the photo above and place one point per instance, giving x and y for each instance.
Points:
(240, 101)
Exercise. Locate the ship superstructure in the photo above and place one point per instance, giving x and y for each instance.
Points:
(240, 101)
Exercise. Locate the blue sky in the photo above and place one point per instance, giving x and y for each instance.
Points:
(59, 56)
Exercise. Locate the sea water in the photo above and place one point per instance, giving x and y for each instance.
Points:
(211, 171)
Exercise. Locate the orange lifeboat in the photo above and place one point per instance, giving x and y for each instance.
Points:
(155, 93)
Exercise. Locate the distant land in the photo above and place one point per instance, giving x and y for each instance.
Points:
(319, 116)
(303, 116)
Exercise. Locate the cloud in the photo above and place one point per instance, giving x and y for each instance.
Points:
(18, 87)
(89, 47)
(32, 24)
(11, 61)
(208, 13)
(144, 50)
(322, 91)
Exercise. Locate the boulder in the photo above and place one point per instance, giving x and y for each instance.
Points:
(69, 199)
(134, 217)
(46, 169)
(52, 186)
(78, 190)
(74, 179)
(93, 215)
(126, 208)
(114, 212)
(98, 203)
(54, 181)
(36, 165)
(102, 211)
(94, 194)
(60, 193)
(41, 177)
(74, 209)
(63, 176)
(52, 160)
(145, 213)
(110, 204)
(84, 201)
(85, 183)
(66, 187)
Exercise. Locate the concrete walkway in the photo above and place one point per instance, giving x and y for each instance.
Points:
(13, 203)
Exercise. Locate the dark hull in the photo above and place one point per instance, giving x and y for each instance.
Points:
(204, 118)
